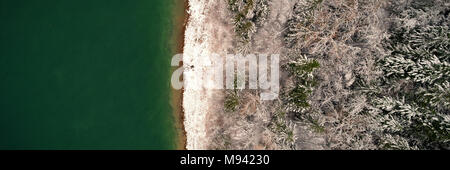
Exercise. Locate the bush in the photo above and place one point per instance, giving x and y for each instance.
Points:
(231, 102)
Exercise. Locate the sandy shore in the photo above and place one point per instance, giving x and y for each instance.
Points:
(180, 21)
(195, 99)
(207, 33)
(191, 103)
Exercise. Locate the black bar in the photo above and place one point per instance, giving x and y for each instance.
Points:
(274, 159)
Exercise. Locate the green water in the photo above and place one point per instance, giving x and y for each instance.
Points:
(85, 74)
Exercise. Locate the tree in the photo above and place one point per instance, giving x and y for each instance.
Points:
(420, 127)
(302, 71)
(416, 117)
(421, 55)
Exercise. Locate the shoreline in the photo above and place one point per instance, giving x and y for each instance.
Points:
(180, 15)
(197, 100)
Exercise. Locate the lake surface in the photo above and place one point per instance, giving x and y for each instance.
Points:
(85, 74)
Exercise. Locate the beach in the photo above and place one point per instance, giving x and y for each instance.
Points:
(195, 102)
(207, 32)
(180, 19)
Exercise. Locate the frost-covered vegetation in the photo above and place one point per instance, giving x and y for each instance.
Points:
(344, 37)
(414, 97)
(356, 74)
(248, 15)
(301, 69)
(377, 89)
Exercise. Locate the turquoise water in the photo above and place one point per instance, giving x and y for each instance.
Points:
(85, 74)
